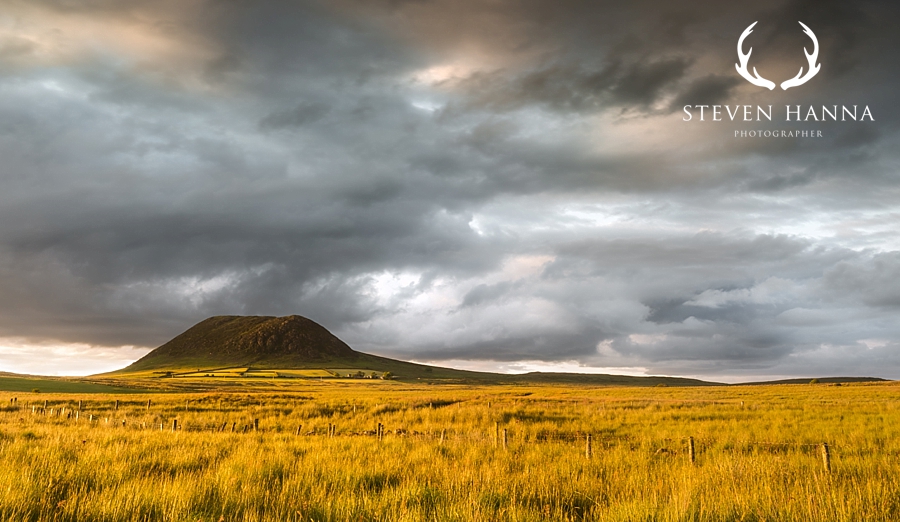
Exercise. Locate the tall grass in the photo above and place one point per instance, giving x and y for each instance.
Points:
(758, 455)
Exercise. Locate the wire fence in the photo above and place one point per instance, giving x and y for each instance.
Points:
(499, 436)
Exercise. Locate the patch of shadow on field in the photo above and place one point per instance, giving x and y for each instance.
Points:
(522, 416)
(427, 498)
(434, 404)
(601, 435)
(574, 506)
(386, 408)
(493, 500)
(376, 482)
(168, 469)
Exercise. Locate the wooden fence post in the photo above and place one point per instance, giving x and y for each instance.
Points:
(299, 429)
(588, 449)
(255, 424)
(116, 407)
(148, 404)
(691, 449)
(79, 405)
(174, 424)
(504, 439)
(826, 457)
(442, 437)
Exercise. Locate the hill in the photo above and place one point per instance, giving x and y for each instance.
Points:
(262, 346)
(223, 341)
(254, 344)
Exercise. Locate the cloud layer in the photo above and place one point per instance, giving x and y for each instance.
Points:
(467, 181)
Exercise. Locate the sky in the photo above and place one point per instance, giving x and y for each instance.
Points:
(485, 184)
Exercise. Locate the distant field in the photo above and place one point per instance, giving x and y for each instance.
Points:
(311, 451)
(26, 384)
(239, 373)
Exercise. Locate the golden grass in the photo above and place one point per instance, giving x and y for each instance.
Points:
(757, 454)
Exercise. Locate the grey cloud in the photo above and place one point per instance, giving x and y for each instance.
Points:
(874, 281)
(485, 293)
(300, 115)
(708, 90)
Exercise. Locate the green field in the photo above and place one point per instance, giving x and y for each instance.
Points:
(60, 385)
(466, 453)
(249, 372)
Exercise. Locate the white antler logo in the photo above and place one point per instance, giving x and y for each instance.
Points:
(758, 80)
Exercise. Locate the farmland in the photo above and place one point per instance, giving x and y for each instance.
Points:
(310, 450)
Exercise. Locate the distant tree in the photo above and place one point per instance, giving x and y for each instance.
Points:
(814, 381)
(35, 390)
(387, 376)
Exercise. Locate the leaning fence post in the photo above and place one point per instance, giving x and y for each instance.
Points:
(588, 449)
(691, 449)
(299, 429)
(826, 457)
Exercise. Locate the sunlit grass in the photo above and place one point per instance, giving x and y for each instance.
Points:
(758, 454)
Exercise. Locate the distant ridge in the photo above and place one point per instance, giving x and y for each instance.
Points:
(818, 380)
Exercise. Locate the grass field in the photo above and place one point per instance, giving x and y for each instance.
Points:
(757, 454)
(28, 384)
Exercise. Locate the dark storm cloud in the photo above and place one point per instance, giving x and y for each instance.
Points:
(711, 90)
(438, 180)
